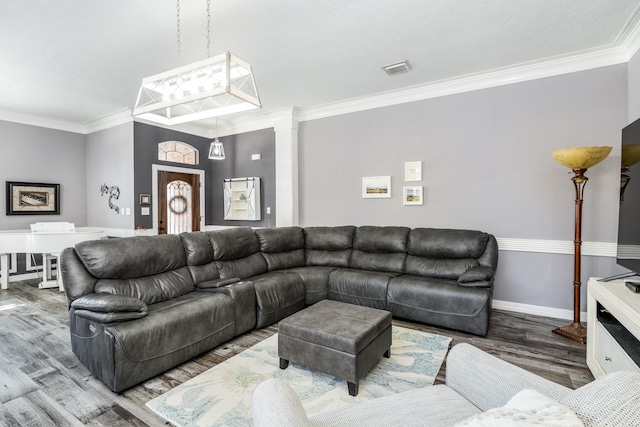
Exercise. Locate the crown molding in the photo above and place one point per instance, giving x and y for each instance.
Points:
(116, 118)
(506, 76)
(25, 119)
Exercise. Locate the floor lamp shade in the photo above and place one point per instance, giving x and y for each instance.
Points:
(578, 160)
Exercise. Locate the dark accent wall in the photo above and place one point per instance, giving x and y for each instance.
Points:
(238, 163)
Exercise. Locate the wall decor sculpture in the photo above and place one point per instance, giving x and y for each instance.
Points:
(28, 198)
(113, 192)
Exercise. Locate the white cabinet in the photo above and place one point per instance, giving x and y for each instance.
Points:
(613, 328)
(242, 199)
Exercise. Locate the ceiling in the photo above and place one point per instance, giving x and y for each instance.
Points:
(76, 61)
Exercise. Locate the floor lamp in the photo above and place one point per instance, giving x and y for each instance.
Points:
(578, 160)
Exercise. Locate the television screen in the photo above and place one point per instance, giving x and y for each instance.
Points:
(629, 218)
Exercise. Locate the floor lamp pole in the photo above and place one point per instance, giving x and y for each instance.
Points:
(576, 331)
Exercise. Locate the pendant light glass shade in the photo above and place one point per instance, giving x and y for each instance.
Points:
(219, 85)
(216, 150)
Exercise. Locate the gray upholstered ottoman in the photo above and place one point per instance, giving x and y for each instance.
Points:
(339, 339)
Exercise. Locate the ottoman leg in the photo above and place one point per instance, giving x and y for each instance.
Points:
(353, 388)
(284, 363)
(387, 353)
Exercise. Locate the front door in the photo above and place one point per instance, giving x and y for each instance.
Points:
(178, 202)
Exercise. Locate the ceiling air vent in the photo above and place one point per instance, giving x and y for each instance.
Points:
(397, 67)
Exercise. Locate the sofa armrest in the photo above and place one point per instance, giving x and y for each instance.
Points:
(216, 283)
(489, 382)
(107, 308)
(479, 276)
(275, 404)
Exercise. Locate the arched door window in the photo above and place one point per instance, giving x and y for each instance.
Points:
(178, 152)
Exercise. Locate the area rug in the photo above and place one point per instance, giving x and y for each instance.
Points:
(221, 396)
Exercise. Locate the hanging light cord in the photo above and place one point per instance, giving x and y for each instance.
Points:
(178, 29)
(208, 28)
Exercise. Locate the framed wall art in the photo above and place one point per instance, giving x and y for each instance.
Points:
(30, 198)
(145, 199)
(413, 171)
(412, 195)
(376, 187)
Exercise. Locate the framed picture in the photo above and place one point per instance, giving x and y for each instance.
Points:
(413, 171)
(145, 200)
(376, 187)
(412, 196)
(29, 198)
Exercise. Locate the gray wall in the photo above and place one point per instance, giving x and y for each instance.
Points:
(634, 87)
(238, 163)
(109, 161)
(37, 154)
(487, 165)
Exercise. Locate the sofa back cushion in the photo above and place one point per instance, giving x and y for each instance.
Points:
(199, 252)
(236, 252)
(328, 246)
(282, 247)
(446, 244)
(131, 257)
(443, 253)
(151, 268)
(150, 289)
(380, 248)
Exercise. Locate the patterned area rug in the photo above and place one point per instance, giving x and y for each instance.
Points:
(221, 396)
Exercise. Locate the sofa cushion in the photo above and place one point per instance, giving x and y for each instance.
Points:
(316, 282)
(439, 268)
(150, 289)
(243, 268)
(233, 243)
(446, 244)
(435, 295)
(131, 257)
(187, 320)
(197, 247)
(283, 239)
(278, 295)
(329, 238)
(328, 246)
(282, 247)
(381, 239)
(359, 287)
(611, 400)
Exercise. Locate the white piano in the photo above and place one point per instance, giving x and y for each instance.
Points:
(46, 238)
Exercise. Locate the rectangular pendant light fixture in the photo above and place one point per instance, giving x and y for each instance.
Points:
(222, 84)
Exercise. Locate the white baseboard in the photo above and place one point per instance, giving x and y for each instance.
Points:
(557, 313)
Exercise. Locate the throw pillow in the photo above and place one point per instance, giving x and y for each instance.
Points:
(527, 408)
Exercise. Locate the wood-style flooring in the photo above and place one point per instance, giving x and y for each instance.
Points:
(43, 384)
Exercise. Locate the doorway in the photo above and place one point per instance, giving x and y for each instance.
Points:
(179, 196)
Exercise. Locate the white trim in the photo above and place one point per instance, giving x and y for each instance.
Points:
(114, 119)
(44, 122)
(154, 190)
(25, 276)
(604, 249)
(557, 313)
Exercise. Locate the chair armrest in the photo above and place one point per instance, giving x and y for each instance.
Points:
(479, 276)
(275, 404)
(107, 308)
(489, 382)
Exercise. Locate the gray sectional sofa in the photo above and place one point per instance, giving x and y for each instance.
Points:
(141, 305)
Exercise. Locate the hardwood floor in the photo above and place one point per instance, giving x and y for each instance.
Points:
(43, 384)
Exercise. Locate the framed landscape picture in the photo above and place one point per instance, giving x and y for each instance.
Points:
(29, 198)
(376, 187)
(412, 195)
